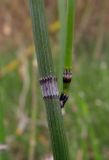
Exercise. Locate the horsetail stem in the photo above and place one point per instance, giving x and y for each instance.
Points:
(66, 52)
(69, 41)
(48, 81)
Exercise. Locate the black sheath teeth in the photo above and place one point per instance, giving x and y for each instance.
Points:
(63, 99)
(67, 76)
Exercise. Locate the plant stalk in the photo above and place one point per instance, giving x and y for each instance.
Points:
(68, 43)
(62, 15)
(46, 69)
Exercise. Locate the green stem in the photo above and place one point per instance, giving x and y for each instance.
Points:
(69, 34)
(68, 43)
(41, 38)
(62, 15)
(45, 64)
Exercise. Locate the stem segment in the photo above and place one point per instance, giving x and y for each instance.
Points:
(69, 33)
(68, 46)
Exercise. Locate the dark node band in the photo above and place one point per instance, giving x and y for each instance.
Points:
(49, 87)
(67, 76)
(63, 99)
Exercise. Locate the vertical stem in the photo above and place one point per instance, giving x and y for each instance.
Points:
(69, 33)
(62, 15)
(46, 69)
(41, 40)
(67, 42)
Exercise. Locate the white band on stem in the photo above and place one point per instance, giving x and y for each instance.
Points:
(49, 87)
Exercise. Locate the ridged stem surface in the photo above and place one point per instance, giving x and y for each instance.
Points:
(45, 65)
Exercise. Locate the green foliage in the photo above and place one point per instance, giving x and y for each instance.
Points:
(89, 85)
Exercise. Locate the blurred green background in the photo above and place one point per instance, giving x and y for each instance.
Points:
(86, 116)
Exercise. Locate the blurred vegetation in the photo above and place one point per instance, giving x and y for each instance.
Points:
(86, 114)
